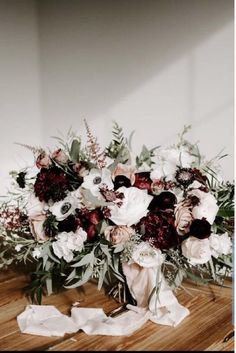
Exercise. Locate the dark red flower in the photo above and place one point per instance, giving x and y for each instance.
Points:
(143, 181)
(159, 229)
(163, 201)
(91, 232)
(199, 176)
(121, 180)
(95, 216)
(89, 220)
(200, 228)
(70, 224)
(51, 184)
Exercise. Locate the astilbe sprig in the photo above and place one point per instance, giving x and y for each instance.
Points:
(93, 148)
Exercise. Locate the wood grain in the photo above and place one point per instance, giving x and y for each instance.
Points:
(209, 326)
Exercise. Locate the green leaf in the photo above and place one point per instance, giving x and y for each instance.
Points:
(75, 151)
(106, 251)
(118, 248)
(86, 193)
(88, 258)
(225, 213)
(49, 285)
(85, 277)
(212, 269)
(39, 293)
(72, 275)
(102, 274)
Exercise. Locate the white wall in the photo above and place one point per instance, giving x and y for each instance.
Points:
(19, 85)
(151, 65)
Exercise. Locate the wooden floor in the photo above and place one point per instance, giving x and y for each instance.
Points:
(209, 327)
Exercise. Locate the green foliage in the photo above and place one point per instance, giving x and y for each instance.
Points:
(118, 146)
(50, 225)
(146, 156)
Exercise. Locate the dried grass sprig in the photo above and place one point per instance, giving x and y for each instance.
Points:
(35, 150)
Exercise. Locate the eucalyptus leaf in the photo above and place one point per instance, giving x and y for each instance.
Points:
(49, 285)
(102, 274)
(86, 193)
(85, 278)
(87, 259)
(75, 151)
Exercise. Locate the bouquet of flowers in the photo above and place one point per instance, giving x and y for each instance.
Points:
(80, 213)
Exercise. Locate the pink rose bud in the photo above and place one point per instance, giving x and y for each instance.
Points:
(43, 160)
(59, 156)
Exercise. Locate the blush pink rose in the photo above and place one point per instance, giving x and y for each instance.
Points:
(60, 156)
(125, 170)
(43, 160)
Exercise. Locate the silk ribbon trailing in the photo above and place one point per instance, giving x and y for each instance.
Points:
(155, 302)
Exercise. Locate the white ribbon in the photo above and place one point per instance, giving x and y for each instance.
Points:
(162, 308)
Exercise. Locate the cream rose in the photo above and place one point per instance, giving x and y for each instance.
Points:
(220, 244)
(66, 243)
(134, 206)
(183, 218)
(147, 256)
(118, 234)
(197, 251)
(36, 227)
(207, 207)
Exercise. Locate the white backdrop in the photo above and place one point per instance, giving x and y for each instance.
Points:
(150, 65)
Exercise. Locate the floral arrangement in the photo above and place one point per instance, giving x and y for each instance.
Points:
(81, 213)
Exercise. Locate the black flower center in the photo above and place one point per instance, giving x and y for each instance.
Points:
(65, 208)
(97, 180)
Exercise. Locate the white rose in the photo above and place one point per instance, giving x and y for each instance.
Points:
(97, 178)
(207, 207)
(147, 256)
(66, 243)
(62, 209)
(197, 251)
(34, 207)
(134, 206)
(220, 244)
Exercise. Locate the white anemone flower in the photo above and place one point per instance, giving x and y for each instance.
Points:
(96, 179)
(62, 209)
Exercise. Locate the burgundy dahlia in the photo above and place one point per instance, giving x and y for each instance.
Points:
(159, 229)
(143, 181)
(51, 184)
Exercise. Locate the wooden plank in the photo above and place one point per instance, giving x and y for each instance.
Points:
(209, 322)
